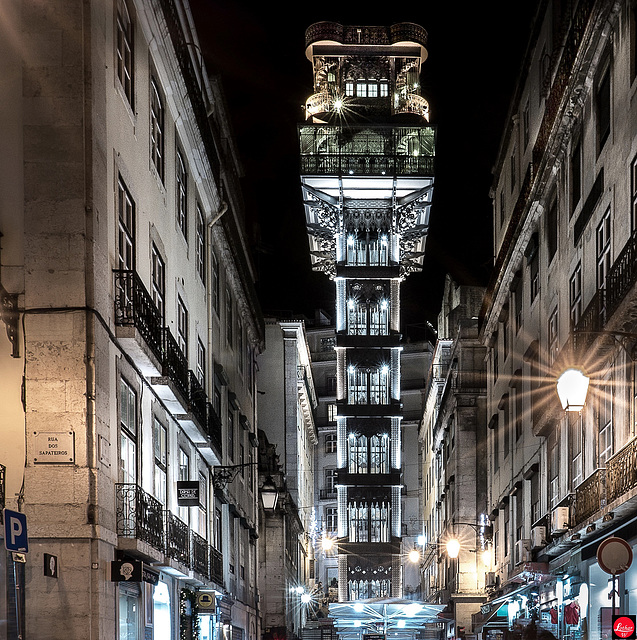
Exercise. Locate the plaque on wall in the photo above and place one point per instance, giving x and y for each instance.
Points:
(54, 447)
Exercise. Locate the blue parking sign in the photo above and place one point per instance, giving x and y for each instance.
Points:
(15, 531)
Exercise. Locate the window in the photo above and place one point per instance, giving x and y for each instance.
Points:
(368, 385)
(331, 519)
(506, 407)
(502, 209)
(576, 175)
(361, 89)
(517, 389)
(372, 90)
(156, 129)
(349, 88)
(231, 433)
(577, 458)
(517, 303)
(330, 442)
(201, 363)
(328, 344)
(125, 50)
(603, 250)
(532, 262)
(332, 412)
(200, 246)
(128, 432)
(181, 179)
(367, 249)
(126, 228)
(384, 89)
(160, 447)
(551, 229)
(330, 481)
(575, 295)
(526, 125)
(184, 474)
(129, 611)
(229, 319)
(605, 419)
(240, 350)
(554, 466)
(182, 326)
(158, 276)
(367, 310)
(368, 522)
(603, 108)
(331, 385)
(553, 334)
(202, 511)
(535, 498)
(513, 168)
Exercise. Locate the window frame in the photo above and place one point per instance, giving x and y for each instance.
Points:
(157, 130)
(125, 51)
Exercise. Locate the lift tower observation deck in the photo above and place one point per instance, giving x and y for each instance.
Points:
(367, 160)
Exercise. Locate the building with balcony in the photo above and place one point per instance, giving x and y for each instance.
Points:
(128, 366)
(453, 443)
(562, 295)
(367, 155)
(287, 401)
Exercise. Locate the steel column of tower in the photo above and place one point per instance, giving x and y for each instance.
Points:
(367, 155)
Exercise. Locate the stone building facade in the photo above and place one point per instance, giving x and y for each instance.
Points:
(132, 327)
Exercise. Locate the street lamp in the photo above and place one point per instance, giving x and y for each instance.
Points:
(572, 387)
(453, 544)
(269, 494)
(414, 555)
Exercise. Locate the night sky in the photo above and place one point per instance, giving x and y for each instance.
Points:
(475, 51)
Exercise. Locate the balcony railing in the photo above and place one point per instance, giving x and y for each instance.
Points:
(621, 471)
(177, 539)
(139, 515)
(371, 150)
(216, 566)
(135, 307)
(327, 494)
(590, 496)
(197, 399)
(175, 365)
(214, 428)
(413, 103)
(620, 280)
(199, 559)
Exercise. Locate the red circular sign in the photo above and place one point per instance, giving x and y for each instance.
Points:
(614, 555)
(623, 627)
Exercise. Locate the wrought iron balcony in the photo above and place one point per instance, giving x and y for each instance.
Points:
(590, 496)
(620, 280)
(175, 365)
(139, 515)
(214, 429)
(327, 494)
(367, 150)
(134, 307)
(177, 539)
(216, 566)
(621, 472)
(197, 399)
(199, 560)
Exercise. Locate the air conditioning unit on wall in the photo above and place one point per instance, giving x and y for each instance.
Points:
(490, 579)
(559, 520)
(522, 551)
(538, 537)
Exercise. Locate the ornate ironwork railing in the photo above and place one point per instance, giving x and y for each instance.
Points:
(347, 34)
(216, 566)
(214, 429)
(590, 496)
(177, 539)
(199, 559)
(621, 471)
(197, 399)
(139, 515)
(413, 103)
(367, 150)
(175, 365)
(135, 307)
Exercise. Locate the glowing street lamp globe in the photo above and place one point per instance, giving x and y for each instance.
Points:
(414, 555)
(572, 387)
(453, 548)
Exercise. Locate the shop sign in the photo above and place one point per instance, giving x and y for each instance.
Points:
(206, 602)
(126, 571)
(188, 493)
(623, 627)
(149, 576)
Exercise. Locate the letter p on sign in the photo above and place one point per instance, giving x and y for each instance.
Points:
(15, 531)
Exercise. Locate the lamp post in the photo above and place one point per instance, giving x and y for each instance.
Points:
(572, 387)
(269, 494)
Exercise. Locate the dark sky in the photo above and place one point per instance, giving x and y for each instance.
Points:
(258, 50)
